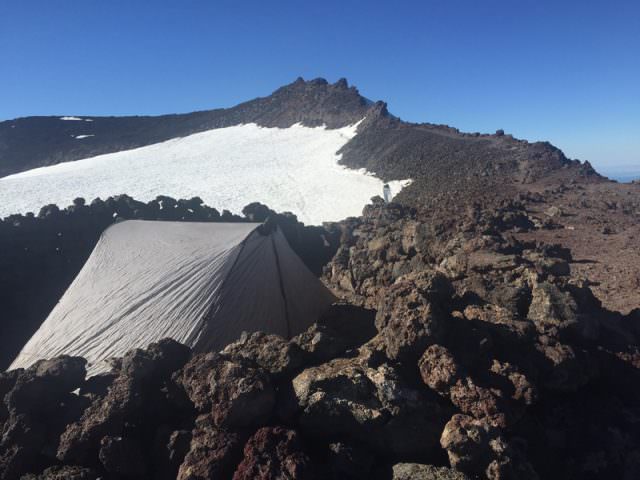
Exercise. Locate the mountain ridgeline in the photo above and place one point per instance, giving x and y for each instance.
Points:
(439, 158)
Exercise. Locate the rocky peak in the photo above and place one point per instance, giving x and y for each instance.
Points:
(315, 102)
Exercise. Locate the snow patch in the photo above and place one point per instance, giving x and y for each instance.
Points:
(80, 137)
(71, 119)
(289, 169)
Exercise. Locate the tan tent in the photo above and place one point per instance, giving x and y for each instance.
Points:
(201, 284)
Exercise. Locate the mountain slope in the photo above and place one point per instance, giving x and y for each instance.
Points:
(291, 169)
(442, 161)
(32, 142)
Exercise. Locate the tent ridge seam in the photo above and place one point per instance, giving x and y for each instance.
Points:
(282, 290)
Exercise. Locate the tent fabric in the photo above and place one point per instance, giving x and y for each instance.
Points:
(201, 284)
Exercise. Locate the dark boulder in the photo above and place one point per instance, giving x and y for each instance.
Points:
(20, 446)
(39, 387)
(170, 448)
(552, 311)
(235, 392)
(343, 327)
(274, 452)
(122, 456)
(65, 472)
(371, 405)
(476, 448)
(417, 471)
(272, 353)
(213, 452)
(349, 461)
(80, 442)
(410, 316)
(157, 362)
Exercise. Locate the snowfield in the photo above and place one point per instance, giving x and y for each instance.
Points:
(289, 169)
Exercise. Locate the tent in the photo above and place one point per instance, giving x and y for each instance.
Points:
(201, 284)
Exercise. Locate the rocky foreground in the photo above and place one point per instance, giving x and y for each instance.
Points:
(459, 351)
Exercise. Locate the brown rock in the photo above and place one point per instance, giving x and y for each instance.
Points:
(416, 471)
(439, 369)
(272, 353)
(409, 318)
(236, 393)
(65, 472)
(341, 328)
(272, 453)
(476, 448)
(373, 405)
(122, 456)
(213, 452)
(80, 442)
(39, 387)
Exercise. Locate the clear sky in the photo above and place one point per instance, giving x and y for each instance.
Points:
(566, 71)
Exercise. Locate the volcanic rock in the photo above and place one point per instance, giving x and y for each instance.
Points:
(236, 392)
(274, 452)
(349, 461)
(42, 384)
(478, 449)
(341, 328)
(270, 352)
(65, 472)
(371, 405)
(122, 456)
(409, 317)
(213, 452)
(416, 471)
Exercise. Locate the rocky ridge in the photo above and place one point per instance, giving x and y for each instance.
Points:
(458, 351)
(440, 159)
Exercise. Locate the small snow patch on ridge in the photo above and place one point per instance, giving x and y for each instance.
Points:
(80, 137)
(71, 119)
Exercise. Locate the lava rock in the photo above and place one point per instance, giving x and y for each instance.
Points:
(20, 445)
(235, 392)
(476, 448)
(274, 452)
(65, 472)
(417, 471)
(341, 328)
(122, 456)
(39, 387)
(80, 442)
(270, 352)
(157, 362)
(213, 452)
(439, 369)
(349, 461)
(552, 311)
(371, 405)
(170, 448)
(409, 317)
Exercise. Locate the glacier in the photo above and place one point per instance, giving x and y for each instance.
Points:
(293, 169)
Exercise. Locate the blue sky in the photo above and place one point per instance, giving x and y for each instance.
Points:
(563, 71)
